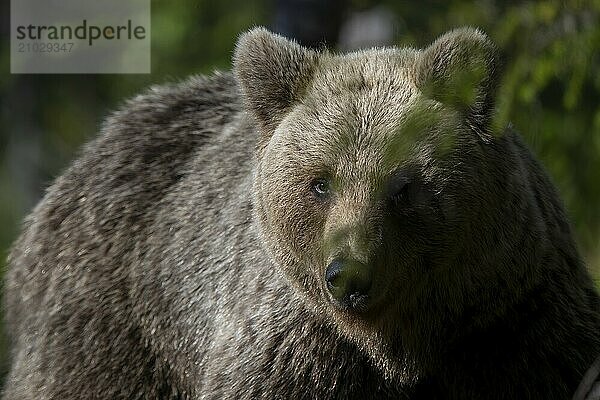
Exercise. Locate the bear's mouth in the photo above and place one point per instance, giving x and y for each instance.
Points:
(356, 303)
(366, 306)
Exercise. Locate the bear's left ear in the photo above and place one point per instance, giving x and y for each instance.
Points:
(273, 73)
(461, 69)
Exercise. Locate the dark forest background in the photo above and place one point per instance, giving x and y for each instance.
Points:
(550, 90)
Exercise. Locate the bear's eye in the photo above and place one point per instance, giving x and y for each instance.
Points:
(399, 191)
(401, 196)
(320, 188)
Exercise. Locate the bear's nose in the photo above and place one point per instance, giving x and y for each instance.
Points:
(349, 282)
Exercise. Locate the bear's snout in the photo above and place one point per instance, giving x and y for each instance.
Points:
(349, 282)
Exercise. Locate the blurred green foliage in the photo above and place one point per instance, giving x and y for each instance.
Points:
(550, 90)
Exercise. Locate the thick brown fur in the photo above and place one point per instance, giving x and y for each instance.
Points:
(183, 254)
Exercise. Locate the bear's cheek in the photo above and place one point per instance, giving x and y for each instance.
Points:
(294, 220)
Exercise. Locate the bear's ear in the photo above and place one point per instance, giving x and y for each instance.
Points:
(460, 69)
(272, 72)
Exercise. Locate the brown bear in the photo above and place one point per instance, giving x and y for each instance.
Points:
(312, 226)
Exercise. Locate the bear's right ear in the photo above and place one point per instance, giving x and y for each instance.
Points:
(272, 72)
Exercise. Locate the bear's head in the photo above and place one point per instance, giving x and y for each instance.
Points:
(371, 175)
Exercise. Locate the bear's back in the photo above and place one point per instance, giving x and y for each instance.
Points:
(72, 266)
